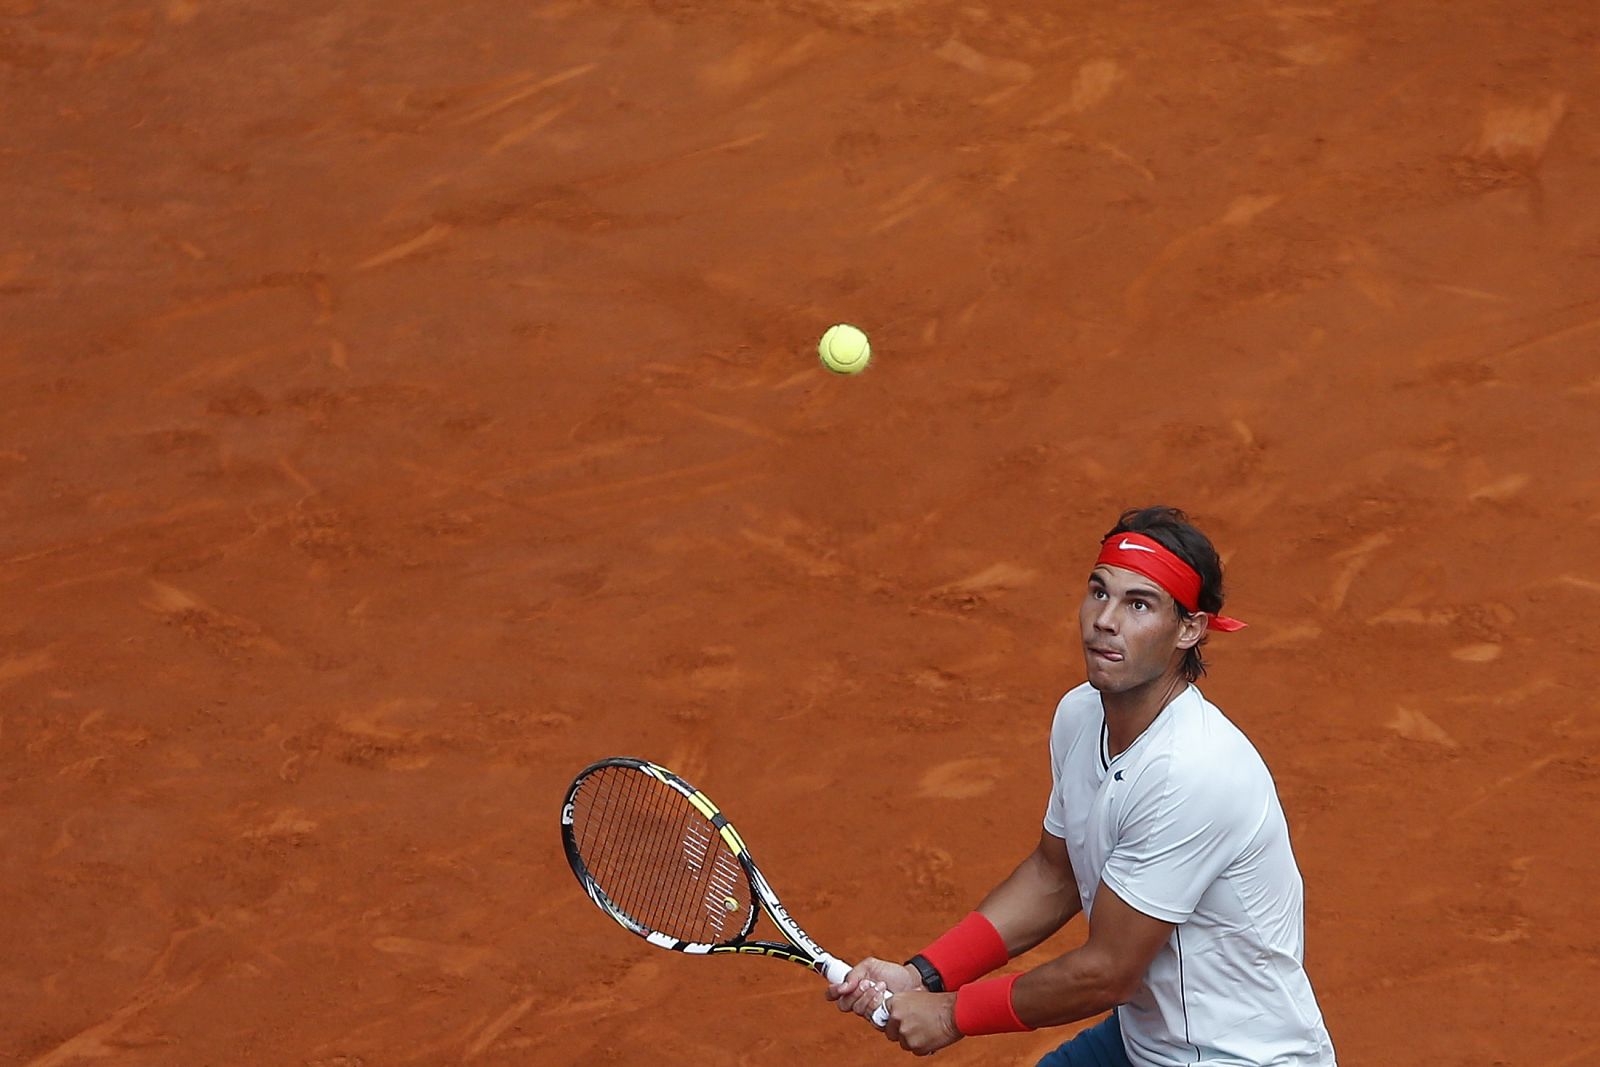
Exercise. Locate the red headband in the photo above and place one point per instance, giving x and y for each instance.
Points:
(1149, 557)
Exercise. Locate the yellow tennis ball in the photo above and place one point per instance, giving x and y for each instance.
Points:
(844, 349)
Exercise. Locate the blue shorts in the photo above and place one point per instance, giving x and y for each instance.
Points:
(1098, 1046)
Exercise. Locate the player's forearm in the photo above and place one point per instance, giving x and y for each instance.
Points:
(1080, 984)
(1032, 903)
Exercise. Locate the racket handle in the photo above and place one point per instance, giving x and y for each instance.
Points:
(836, 970)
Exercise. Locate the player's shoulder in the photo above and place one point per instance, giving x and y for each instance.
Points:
(1202, 725)
(1078, 714)
(1079, 707)
(1206, 752)
(1082, 699)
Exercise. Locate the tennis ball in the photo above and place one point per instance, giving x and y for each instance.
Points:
(844, 349)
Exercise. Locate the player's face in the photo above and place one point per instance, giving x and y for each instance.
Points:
(1130, 629)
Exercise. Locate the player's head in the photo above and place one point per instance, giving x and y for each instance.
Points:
(1154, 593)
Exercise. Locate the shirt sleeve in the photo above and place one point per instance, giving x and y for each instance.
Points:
(1055, 815)
(1179, 831)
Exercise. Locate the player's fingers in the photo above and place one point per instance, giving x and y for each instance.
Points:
(854, 1001)
(865, 999)
(900, 1034)
(859, 973)
(853, 982)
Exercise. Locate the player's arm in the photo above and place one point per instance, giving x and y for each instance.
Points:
(1037, 899)
(1183, 826)
(1104, 972)
(1032, 903)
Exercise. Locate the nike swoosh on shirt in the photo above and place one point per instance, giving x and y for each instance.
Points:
(1129, 546)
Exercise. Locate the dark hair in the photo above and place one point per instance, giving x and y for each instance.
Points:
(1172, 528)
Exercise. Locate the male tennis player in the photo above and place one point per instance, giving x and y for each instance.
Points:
(1163, 828)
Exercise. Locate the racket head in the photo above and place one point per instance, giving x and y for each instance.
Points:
(657, 856)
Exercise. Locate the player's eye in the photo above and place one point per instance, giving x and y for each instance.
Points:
(1140, 605)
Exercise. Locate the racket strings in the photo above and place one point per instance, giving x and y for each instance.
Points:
(658, 859)
(605, 827)
(688, 893)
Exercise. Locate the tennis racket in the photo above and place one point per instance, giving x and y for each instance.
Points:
(657, 856)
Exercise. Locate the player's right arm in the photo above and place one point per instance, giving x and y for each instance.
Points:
(1033, 902)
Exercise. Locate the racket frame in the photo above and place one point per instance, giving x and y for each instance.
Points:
(801, 948)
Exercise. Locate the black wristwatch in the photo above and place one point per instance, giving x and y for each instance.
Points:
(932, 980)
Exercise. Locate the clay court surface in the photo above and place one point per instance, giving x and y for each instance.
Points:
(405, 404)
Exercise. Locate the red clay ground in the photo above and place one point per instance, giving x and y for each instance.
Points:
(406, 403)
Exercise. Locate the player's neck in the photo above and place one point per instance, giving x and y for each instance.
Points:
(1130, 713)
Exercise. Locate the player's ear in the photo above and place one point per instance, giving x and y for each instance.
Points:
(1191, 628)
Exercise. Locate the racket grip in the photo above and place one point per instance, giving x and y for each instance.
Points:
(836, 970)
(880, 1014)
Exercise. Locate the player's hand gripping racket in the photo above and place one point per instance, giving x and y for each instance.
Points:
(658, 857)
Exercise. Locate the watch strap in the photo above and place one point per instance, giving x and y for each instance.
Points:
(932, 980)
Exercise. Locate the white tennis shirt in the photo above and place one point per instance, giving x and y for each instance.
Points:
(1185, 826)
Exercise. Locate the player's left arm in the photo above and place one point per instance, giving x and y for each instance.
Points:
(1104, 972)
(1185, 825)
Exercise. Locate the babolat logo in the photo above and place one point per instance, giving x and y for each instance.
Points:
(566, 813)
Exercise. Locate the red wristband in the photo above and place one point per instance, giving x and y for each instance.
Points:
(970, 949)
(985, 1008)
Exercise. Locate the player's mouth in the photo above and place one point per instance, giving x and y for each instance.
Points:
(1106, 654)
